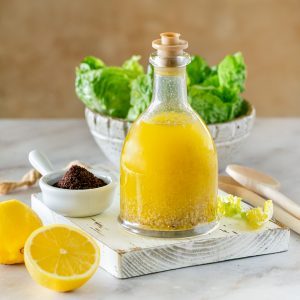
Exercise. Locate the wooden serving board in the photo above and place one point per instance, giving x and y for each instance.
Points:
(126, 255)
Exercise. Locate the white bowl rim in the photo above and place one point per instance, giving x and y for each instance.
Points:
(110, 184)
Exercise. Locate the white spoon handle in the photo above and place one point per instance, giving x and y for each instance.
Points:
(40, 162)
(280, 199)
(255, 200)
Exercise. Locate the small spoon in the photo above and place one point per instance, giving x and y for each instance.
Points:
(40, 162)
(264, 185)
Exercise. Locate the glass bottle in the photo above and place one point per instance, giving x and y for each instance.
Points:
(169, 170)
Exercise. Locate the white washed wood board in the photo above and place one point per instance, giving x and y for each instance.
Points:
(126, 255)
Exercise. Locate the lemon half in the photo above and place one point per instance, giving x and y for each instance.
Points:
(61, 257)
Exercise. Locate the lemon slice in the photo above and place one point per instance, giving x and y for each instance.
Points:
(61, 257)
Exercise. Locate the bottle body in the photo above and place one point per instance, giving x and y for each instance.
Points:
(169, 174)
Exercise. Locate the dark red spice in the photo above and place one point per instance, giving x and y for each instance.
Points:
(78, 178)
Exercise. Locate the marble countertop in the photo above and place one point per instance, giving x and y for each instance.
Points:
(273, 147)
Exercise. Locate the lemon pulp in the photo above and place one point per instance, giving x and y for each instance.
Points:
(61, 257)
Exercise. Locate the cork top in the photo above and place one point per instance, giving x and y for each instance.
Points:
(169, 45)
(169, 51)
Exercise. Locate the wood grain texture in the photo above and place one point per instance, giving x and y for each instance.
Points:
(126, 255)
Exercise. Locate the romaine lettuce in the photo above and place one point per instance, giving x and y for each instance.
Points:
(209, 103)
(217, 98)
(140, 97)
(125, 92)
(106, 89)
(133, 66)
(91, 63)
(112, 89)
(197, 70)
(232, 72)
(86, 75)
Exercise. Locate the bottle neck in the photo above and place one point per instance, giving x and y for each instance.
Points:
(169, 88)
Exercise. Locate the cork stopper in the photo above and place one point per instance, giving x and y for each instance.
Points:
(169, 45)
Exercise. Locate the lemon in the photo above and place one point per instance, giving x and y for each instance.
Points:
(61, 257)
(17, 222)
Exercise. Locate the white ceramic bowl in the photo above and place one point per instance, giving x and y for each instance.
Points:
(77, 203)
(109, 134)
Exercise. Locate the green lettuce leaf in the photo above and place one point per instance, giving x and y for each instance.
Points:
(91, 63)
(103, 89)
(140, 97)
(257, 217)
(125, 92)
(197, 70)
(86, 74)
(112, 90)
(208, 103)
(217, 98)
(231, 206)
(232, 72)
(133, 66)
(212, 81)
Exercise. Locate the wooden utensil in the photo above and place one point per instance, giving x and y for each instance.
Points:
(255, 200)
(228, 179)
(264, 185)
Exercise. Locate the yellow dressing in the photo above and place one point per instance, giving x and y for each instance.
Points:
(169, 173)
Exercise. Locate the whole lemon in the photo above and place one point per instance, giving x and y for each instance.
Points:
(17, 222)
